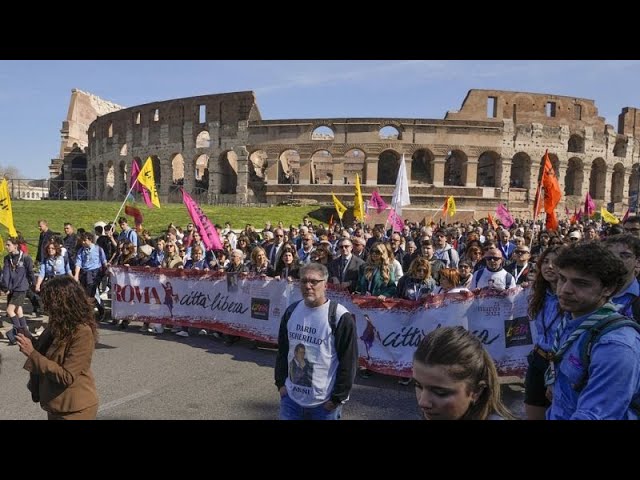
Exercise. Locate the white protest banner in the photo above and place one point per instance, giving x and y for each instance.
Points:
(388, 331)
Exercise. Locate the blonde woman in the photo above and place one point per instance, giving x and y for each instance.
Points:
(377, 278)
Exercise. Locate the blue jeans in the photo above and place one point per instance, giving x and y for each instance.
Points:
(290, 410)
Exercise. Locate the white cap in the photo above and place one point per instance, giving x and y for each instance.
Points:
(100, 224)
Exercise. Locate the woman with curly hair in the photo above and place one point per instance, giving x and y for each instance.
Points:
(60, 365)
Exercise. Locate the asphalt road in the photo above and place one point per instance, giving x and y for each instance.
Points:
(143, 376)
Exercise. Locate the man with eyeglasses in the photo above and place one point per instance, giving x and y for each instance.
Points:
(345, 269)
(327, 332)
(493, 276)
(520, 267)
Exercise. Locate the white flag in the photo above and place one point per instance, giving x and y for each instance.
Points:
(401, 193)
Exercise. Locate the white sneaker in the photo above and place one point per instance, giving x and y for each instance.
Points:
(157, 328)
(39, 331)
(182, 333)
(202, 332)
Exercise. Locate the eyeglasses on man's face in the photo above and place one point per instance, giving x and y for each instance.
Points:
(312, 281)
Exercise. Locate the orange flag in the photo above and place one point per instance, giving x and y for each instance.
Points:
(552, 221)
(445, 207)
(552, 192)
(492, 222)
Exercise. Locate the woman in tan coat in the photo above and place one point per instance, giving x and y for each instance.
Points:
(60, 367)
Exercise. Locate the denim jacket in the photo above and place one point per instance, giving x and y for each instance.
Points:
(614, 377)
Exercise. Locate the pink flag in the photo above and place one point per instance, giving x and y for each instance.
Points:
(397, 224)
(204, 226)
(504, 216)
(589, 205)
(377, 202)
(135, 171)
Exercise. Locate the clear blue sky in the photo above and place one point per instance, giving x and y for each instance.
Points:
(34, 95)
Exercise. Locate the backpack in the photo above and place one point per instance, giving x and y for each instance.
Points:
(333, 306)
(635, 309)
(604, 326)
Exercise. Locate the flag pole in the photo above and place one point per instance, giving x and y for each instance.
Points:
(125, 201)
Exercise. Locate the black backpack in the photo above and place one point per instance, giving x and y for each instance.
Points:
(333, 321)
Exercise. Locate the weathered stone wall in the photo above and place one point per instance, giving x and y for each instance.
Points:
(480, 155)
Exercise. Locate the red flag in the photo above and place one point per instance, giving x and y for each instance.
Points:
(552, 192)
(331, 222)
(445, 207)
(135, 213)
(626, 215)
(204, 226)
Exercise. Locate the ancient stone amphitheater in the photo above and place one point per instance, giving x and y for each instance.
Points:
(220, 149)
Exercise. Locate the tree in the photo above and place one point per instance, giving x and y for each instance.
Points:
(9, 172)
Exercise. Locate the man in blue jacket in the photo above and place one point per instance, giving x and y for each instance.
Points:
(603, 382)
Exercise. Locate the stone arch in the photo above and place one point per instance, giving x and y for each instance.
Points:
(422, 166)
(79, 163)
(258, 165)
(575, 144)
(123, 174)
(110, 181)
(288, 165)
(574, 177)
(634, 181)
(598, 178)
(228, 163)
(617, 183)
(323, 132)
(177, 178)
(520, 176)
(124, 150)
(454, 167)
(322, 167)
(390, 132)
(489, 169)
(203, 140)
(620, 148)
(201, 174)
(177, 169)
(388, 166)
(354, 163)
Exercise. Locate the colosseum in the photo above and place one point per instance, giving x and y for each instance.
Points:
(221, 150)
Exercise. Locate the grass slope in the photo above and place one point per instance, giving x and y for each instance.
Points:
(84, 214)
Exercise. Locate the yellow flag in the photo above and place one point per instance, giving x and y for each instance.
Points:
(607, 217)
(6, 212)
(146, 179)
(1, 244)
(340, 208)
(358, 203)
(451, 206)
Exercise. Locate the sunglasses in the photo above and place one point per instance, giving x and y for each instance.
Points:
(520, 252)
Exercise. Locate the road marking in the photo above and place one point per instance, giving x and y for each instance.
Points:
(120, 401)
